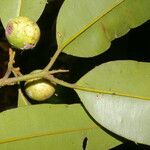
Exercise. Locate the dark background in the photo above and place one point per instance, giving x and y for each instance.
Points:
(134, 45)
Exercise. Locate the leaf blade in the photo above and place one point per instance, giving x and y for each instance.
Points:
(46, 126)
(127, 117)
(22, 101)
(126, 114)
(127, 78)
(88, 32)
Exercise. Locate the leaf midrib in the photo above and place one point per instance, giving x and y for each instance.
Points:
(71, 39)
(48, 133)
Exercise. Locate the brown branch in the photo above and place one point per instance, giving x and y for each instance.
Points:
(14, 80)
(10, 63)
(58, 71)
(53, 59)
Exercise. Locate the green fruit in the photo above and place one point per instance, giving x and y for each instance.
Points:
(39, 89)
(22, 33)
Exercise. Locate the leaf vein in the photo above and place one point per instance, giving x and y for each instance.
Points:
(49, 133)
(67, 42)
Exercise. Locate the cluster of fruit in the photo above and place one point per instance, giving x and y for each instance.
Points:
(23, 34)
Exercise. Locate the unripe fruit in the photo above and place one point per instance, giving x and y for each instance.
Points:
(39, 89)
(22, 33)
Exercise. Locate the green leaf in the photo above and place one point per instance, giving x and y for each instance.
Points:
(127, 117)
(86, 28)
(125, 78)
(47, 126)
(22, 101)
(116, 100)
(14, 8)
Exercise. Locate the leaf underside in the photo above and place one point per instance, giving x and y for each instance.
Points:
(51, 127)
(127, 117)
(121, 103)
(86, 29)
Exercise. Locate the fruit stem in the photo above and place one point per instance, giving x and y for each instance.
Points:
(11, 81)
(58, 71)
(75, 86)
(14, 80)
(47, 75)
(52, 60)
(10, 63)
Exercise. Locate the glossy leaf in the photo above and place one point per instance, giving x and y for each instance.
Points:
(14, 8)
(118, 100)
(51, 127)
(86, 28)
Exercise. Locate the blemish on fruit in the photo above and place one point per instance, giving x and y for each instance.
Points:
(28, 46)
(9, 29)
(22, 33)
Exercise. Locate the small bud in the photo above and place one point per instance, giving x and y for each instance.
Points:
(22, 33)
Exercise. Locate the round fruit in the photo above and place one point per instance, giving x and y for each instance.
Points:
(22, 33)
(39, 89)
